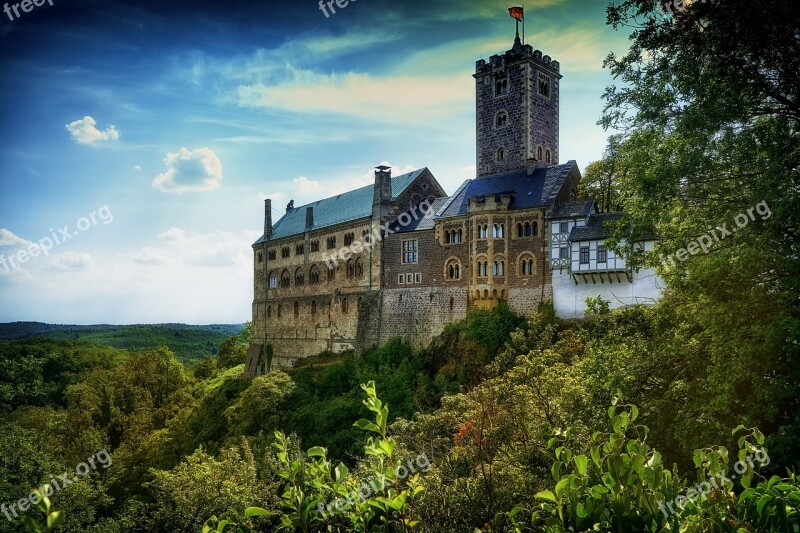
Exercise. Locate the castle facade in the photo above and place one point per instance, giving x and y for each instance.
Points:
(402, 258)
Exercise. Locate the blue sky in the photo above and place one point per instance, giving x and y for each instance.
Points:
(158, 128)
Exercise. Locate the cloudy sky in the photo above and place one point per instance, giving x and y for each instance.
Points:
(141, 137)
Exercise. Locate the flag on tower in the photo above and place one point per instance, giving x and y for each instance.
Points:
(517, 12)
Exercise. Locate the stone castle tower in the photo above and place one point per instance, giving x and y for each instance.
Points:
(516, 110)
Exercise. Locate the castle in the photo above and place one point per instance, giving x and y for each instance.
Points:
(402, 258)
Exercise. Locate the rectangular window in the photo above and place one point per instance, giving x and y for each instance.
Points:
(401, 279)
(584, 255)
(563, 252)
(409, 251)
(418, 278)
(563, 227)
(409, 278)
(601, 254)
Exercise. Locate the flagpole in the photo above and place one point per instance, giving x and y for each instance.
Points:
(523, 24)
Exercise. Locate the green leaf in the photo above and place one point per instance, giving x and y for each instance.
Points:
(581, 461)
(546, 495)
(561, 486)
(595, 453)
(250, 512)
(317, 451)
(54, 519)
(765, 499)
(366, 425)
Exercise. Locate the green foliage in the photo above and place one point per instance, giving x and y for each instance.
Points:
(260, 406)
(311, 482)
(52, 519)
(206, 485)
(620, 484)
(233, 350)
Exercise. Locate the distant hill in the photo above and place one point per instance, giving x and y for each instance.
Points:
(189, 343)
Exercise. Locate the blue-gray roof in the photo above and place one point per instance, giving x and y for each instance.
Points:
(595, 228)
(421, 222)
(539, 189)
(572, 210)
(345, 207)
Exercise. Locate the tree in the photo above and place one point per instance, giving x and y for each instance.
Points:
(260, 406)
(600, 181)
(708, 104)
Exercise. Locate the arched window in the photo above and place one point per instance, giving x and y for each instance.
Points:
(299, 277)
(313, 275)
(547, 156)
(482, 268)
(499, 267)
(453, 269)
(483, 231)
(539, 153)
(351, 269)
(535, 229)
(273, 280)
(501, 120)
(501, 154)
(497, 231)
(527, 265)
(331, 274)
(359, 268)
(286, 280)
(296, 309)
(460, 235)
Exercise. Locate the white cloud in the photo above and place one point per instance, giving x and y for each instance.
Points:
(190, 170)
(305, 186)
(389, 98)
(137, 168)
(83, 131)
(70, 262)
(9, 240)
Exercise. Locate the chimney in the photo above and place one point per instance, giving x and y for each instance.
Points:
(267, 218)
(309, 217)
(382, 194)
(531, 165)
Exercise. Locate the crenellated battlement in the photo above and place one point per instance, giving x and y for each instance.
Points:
(512, 56)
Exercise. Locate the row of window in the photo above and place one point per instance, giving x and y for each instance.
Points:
(482, 267)
(543, 85)
(312, 308)
(354, 270)
(299, 249)
(583, 255)
(548, 158)
(408, 279)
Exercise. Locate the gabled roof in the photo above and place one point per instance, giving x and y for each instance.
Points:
(539, 189)
(345, 207)
(572, 210)
(595, 229)
(421, 222)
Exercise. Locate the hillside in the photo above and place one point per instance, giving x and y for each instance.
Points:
(189, 342)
